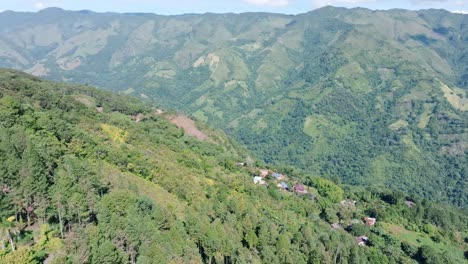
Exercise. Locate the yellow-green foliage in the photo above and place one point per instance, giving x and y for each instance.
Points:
(116, 134)
(43, 235)
(48, 239)
(20, 256)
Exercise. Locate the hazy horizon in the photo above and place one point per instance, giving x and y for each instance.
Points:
(229, 6)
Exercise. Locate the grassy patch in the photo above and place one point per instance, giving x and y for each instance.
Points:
(380, 166)
(88, 101)
(457, 100)
(420, 239)
(398, 125)
(426, 115)
(352, 77)
(420, 92)
(320, 126)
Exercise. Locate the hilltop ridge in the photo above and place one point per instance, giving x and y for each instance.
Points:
(90, 176)
(376, 98)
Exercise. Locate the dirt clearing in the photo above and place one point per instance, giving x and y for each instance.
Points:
(188, 125)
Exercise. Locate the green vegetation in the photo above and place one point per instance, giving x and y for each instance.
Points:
(83, 182)
(376, 98)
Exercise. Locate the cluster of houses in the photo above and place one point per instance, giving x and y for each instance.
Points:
(369, 221)
(280, 181)
(363, 240)
(360, 240)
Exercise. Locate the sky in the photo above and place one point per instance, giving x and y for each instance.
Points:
(168, 7)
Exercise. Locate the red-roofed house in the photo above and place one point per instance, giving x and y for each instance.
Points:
(263, 173)
(300, 188)
(362, 240)
(370, 221)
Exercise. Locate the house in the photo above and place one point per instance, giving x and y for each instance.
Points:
(240, 164)
(361, 240)
(336, 226)
(348, 202)
(370, 221)
(263, 173)
(410, 204)
(259, 180)
(299, 188)
(137, 118)
(283, 186)
(278, 176)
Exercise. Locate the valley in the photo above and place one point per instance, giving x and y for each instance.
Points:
(375, 98)
(89, 176)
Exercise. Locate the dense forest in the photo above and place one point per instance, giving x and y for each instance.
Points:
(88, 176)
(375, 98)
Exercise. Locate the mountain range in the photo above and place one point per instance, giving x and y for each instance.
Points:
(374, 98)
(88, 176)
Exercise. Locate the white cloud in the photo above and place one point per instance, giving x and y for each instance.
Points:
(465, 12)
(322, 3)
(39, 5)
(46, 3)
(460, 2)
(268, 2)
(449, 2)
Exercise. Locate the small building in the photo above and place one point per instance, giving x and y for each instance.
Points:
(362, 240)
(278, 176)
(348, 202)
(300, 189)
(410, 204)
(137, 118)
(336, 226)
(259, 180)
(263, 173)
(284, 186)
(370, 221)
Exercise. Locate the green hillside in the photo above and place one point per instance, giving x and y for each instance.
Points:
(87, 176)
(374, 97)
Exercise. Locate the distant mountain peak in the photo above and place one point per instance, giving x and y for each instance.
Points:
(51, 9)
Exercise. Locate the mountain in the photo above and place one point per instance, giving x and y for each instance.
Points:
(88, 176)
(374, 98)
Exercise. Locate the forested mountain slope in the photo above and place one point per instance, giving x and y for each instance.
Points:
(91, 177)
(373, 97)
